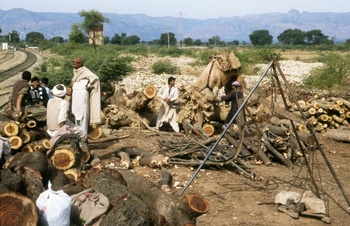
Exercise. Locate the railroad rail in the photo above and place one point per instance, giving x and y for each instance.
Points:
(12, 71)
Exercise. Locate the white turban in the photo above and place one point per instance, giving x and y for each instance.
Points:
(236, 83)
(59, 92)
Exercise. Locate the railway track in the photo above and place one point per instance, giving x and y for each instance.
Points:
(12, 71)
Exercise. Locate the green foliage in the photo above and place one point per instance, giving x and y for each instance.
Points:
(34, 38)
(260, 38)
(114, 68)
(172, 51)
(292, 37)
(335, 71)
(164, 66)
(167, 39)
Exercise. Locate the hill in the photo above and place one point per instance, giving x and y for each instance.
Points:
(149, 28)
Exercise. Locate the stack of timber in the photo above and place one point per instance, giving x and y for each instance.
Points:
(330, 113)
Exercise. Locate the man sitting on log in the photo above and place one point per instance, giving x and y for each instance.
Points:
(17, 100)
(37, 100)
(57, 116)
(167, 112)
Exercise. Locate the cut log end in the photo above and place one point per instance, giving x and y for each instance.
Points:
(16, 209)
(150, 91)
(209, 129)
(63, 159)
(197, 203)
(16, 142)
(96, 133)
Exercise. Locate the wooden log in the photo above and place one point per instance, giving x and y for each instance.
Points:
(209, 129)
(27, 148)
(39, 145)
(323, 118)
(172, 209)
(142, 99)
(33, 182)
(11, 182)
(154, 161)
(166, 182)
(16, 209)
(95, 133)
(73, 174)
(66, 157)
(31, 124)
(16, 142)
(258, 151)
(25, 136)
(339, 135)
(9, 129)
(125, 160)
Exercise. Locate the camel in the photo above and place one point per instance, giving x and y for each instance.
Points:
(221, 71)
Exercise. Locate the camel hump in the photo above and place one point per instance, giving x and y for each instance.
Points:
(227, 62)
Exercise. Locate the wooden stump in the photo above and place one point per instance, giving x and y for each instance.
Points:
(17, 210)
(95, 133)
(66, 157)
(16, 142)
(9, 129)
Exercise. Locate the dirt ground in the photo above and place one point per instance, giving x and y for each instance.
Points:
(235, 199)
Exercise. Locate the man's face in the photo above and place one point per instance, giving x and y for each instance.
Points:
(34, 84)
(77, 63)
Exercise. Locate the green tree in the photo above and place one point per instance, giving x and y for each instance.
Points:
(93, 19)
(14, 37)
(188, 41)
(197, 42)
(292, 37)
(57, 39)
(34, 38)
(167, 39)
(116, 39)
(260, 38)
(214, 41)
(316, 37)
(77, 35)
(131, 40)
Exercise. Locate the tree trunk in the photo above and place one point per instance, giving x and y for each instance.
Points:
(339, 135)
(16, 209)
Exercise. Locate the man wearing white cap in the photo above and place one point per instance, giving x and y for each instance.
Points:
(167, 113)
(234, 96)
(57, 116)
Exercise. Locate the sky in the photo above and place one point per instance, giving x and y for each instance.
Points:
(194, 9)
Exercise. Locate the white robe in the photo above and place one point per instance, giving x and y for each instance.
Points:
(86, 105)
(166, 112)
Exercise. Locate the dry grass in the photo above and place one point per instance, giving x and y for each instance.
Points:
(301, 55)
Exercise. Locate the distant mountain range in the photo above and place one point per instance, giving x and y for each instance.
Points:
(334, 25)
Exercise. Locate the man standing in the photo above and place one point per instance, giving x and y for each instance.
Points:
(234, 96)
(167, 112)
(17, 99)
(86, 96)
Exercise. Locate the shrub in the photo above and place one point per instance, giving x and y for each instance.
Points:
(164, 66)
(332, 75)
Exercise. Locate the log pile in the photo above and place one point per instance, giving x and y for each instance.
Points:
(330, 113)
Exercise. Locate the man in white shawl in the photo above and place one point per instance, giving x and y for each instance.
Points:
(57, 116)
(86, 96)
(167, 112)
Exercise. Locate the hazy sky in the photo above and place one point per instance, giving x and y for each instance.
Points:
(198, 9)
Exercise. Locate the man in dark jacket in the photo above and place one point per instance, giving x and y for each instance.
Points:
(37, 99)
(234, 96)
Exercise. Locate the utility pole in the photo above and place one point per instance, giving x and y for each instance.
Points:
(168, 30)
(181, 30)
